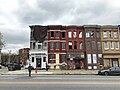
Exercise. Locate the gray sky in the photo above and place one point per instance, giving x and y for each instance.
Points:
(17, 15)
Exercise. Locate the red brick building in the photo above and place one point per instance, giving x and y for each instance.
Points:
(56, 45)
(75, 46)
(23, 55)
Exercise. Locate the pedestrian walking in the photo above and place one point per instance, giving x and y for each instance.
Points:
(29, 70)
(46, 66)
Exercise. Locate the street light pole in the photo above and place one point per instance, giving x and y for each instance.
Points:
(9, 56)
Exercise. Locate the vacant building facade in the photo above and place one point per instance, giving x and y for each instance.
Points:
(93, 48)
(110, 45)
(38, 56)
(56, 45)
(75, 47)
(87, 46)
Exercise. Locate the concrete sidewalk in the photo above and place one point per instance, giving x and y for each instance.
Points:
(52, 72)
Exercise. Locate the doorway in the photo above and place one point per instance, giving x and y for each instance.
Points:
(115, 62)
(38, 63)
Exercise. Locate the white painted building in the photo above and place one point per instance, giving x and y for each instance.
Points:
(38, 59)
(38, 55)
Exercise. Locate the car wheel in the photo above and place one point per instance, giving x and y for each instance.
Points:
(106, 73)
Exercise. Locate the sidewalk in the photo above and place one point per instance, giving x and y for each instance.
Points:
(52, 72)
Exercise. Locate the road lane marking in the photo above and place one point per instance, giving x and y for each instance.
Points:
(65, 83)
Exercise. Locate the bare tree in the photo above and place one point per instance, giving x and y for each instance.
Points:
(1, 41)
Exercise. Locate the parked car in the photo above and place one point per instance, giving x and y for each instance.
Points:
(14, 66)
(110, 71)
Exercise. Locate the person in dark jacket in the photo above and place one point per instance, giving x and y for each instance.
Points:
(29, 70)
(46, 66)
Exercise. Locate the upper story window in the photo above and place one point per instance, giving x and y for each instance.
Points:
(105, 34)
(112, 45)
(110, 34)
(57, 45)
(88, 45)
(75, 44)
(115, 34)
(106, 47)
(52, 34)
(63, 45)
(74, 34)
(81, 45)
(98, 34)
(70, 45)
(80, 34)
(39, 45)
(93, 45)
(51, 45)
(92, 34)
(99, 45)
(117, 45)
(63, 34)
(33, 45)
(45, 45)
(87, 34)
(57, 34)
(69, 34)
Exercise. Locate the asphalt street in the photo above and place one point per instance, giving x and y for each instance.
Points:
(59, 82)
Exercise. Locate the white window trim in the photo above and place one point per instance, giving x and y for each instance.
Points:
(75, 34)
(105, 34)
(94, 58)
(69, 34)
(87, 35)
(115, 34)
(80, 35)
(117, 43)
(106, 48)
(89, 59)
(112, 44)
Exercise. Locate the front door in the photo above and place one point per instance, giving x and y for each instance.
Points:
(115, 62)
(38, 62)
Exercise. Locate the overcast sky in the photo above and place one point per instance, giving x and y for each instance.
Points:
(17, 15)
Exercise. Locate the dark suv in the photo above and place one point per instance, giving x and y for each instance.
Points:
(14, 66)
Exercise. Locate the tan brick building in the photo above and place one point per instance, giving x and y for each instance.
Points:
(110, 45)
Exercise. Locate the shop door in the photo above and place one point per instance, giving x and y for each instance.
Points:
(38, 62)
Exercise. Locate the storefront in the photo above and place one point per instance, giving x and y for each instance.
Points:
(39, 59)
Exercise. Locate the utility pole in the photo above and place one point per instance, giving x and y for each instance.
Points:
(9, 56)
